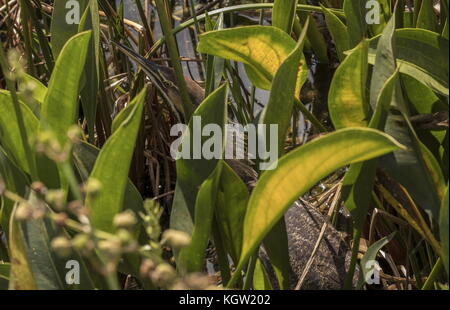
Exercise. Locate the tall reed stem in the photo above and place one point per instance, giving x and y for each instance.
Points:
(172, 49)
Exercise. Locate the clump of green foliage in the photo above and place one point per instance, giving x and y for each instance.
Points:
(84, 136)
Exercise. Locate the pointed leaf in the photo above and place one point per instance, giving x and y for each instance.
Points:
(338, 31)
(283, 14)
(9, 129)
(297, 172)
(230, 212)
(372, 253)
(112, 176)
(193, 171)
(347, 97)
(60, 106)
(191, 258)
(355, 14)
(261, 48)
(421, 54)
(47, 269)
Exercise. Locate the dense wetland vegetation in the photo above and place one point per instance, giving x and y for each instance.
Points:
(339, 110)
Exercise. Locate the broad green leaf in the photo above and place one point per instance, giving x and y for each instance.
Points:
(9, 129)
(314, 35)
(422, 98)
(261, 48)
(427, 19)
(39, 91)
(384, 78)
(347, 101)
(121, 117)
(283, 14)
(260, 278)
(355, 14)
(415, 167)
(48, 270)
(298, 171)
(421, 54)
(191, 258)
(60, 106)
(358, 181)
(338, 31)
(91, 21)
(372, 253)
(278, 112)
(425, 101)
(384, 101)
(214, 65)
(385, 62)
(443, 228)
(64, 25)
(113, 178)
(192, 172)
(85, 156)
(408, 19)
(230, 211)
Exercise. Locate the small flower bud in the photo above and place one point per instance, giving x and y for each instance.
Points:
(56, 198)
(81, 242)
(74, 134)
(198, 281)
(125, 219)
(163, 275)
(76, 208)
(61, 219)
(92, 186)
(23, 212)
(124, 236)
(111, 247)
(39, 188)
(146, 267)
(62, 246)
(38, 209)
(176, 239)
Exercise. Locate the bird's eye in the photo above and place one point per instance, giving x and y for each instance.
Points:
(168, 84)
